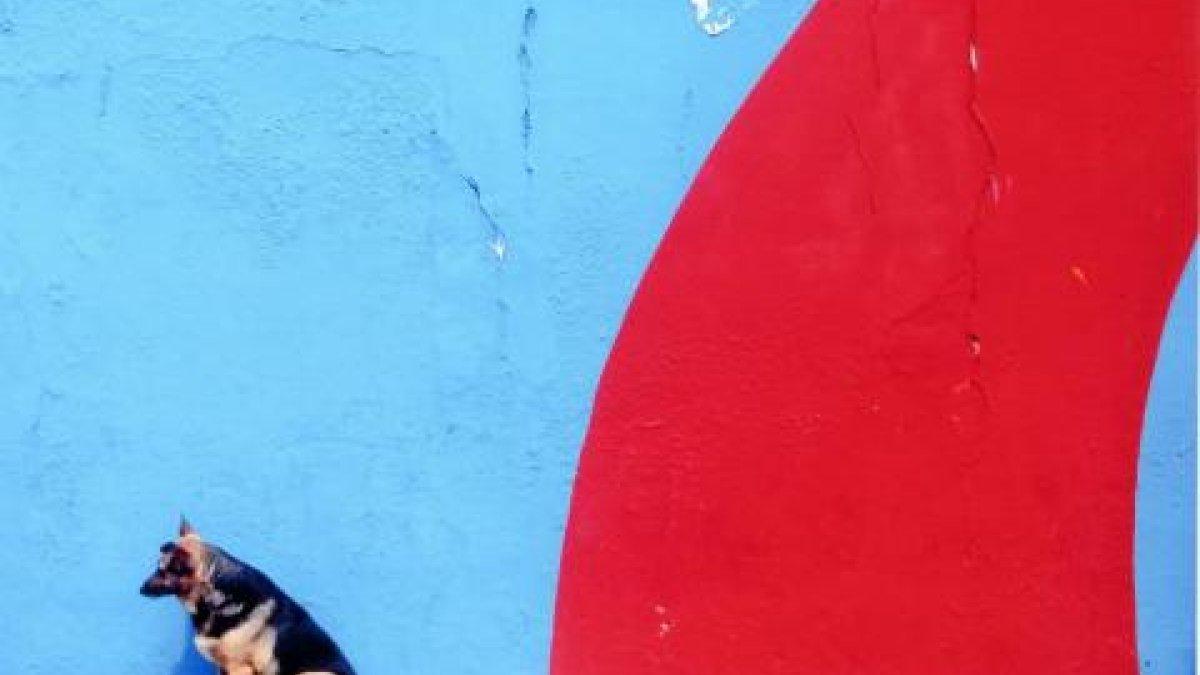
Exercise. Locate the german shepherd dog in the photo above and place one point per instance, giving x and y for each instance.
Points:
(243, 622)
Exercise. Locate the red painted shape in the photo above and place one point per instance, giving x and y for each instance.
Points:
(875, 407)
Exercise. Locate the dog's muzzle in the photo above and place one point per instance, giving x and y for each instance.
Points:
(157, 586)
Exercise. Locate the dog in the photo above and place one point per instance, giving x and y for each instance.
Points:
(244, 623)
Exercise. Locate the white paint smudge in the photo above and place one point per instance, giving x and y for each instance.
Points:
(714, 20)
(973, 57)
(498, 246)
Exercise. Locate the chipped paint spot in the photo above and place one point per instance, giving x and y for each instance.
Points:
(974, 345)
(498, 245)
(713, 19)
(664, 624)
(994, 188)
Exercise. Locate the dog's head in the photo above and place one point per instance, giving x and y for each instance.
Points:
(183, 567)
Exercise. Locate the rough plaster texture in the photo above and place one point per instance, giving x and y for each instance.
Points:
(243, 275)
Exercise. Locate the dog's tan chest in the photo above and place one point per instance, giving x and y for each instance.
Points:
(247, 649)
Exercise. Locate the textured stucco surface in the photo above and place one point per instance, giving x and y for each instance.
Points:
(243, 275)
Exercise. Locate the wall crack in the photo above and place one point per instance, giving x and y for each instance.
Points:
(525, 65)
(868, 174)
(989, 195)
(497, 241)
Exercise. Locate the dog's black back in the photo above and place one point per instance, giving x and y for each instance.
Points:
(300, 644)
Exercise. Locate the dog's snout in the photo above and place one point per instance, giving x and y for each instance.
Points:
(155, 586)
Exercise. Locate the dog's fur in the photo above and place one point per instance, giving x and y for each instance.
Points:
(243, 622)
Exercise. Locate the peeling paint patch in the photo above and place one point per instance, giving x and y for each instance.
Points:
(713, 18)
(664, 624)
(1080, 276)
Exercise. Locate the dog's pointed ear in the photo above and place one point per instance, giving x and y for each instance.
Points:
(185, 528)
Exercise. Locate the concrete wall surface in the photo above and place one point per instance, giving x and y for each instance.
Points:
(243, 275)
(336, 279)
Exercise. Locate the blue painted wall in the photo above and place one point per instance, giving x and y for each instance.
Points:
(242, 276)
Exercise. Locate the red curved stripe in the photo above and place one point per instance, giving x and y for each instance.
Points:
(875, 407)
